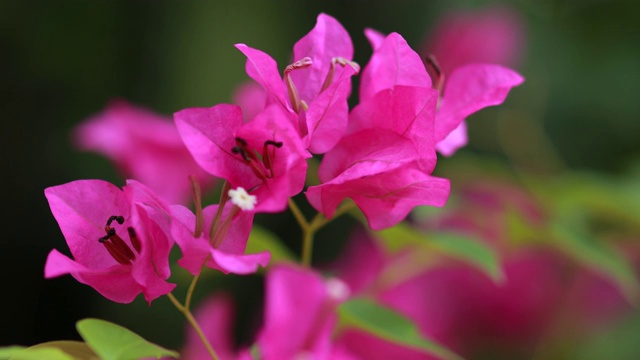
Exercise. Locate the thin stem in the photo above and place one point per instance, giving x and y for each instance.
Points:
(194, 324)
(192, 286)
(197, 201)
(295, 210)
(310, 228)
(307, 238)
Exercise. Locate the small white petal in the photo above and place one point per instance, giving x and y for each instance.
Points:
(240, 198)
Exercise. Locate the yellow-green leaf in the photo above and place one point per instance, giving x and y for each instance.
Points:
(461, 247)
(387, 324)
(55, 350)
(114, 342)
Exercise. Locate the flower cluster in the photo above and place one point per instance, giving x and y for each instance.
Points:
(380, 154)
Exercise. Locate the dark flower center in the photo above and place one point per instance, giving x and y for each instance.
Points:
(260, 163)
(119, 249)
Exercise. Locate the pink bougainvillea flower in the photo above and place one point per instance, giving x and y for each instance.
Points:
(467, 90)
(118, 238)
(226, 147)
(143, 146)
(384, 162)
(316, 86)
(221, 247)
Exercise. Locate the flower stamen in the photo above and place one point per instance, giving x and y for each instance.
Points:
(261, 167)
(340, 61)
(117, 248)
(433, 63)
(294, 97)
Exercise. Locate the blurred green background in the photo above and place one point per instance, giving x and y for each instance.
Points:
(64, 60)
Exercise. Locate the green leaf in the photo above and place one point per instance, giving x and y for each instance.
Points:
(387, 324)
(262, 239)
(619, 341)
(55, 350)
(7, 351)
(114, 342)
(461, 247)
(42, 353)
(471, 251)
(598, 256)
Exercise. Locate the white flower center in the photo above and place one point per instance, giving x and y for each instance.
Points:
(240, 198)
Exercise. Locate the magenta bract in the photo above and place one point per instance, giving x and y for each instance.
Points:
(225, 147)
(224, 252)
(118, 238)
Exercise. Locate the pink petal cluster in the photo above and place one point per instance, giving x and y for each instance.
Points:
(118, 238)
(144, 146)
(380, 155)
(384, 161)
(315, 87)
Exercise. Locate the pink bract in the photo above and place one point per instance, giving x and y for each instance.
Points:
(384, 162)
(82, 208)
(323, 84)
(227, 256)
(393, 63)
(144, 146)
(470, 89)
(214, 134)
(494, 35)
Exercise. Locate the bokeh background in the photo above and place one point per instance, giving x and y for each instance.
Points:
(62, 61)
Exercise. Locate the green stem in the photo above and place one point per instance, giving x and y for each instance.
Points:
(187, 314)
(310, 228)
(192, 286)
(295, 210)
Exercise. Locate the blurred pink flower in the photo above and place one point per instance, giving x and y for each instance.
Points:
(143, 146)
(94, 216)
(299, 320)
(463, 309)
(494, 35)
(215, 315)
(251, 98)
(300, 314)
